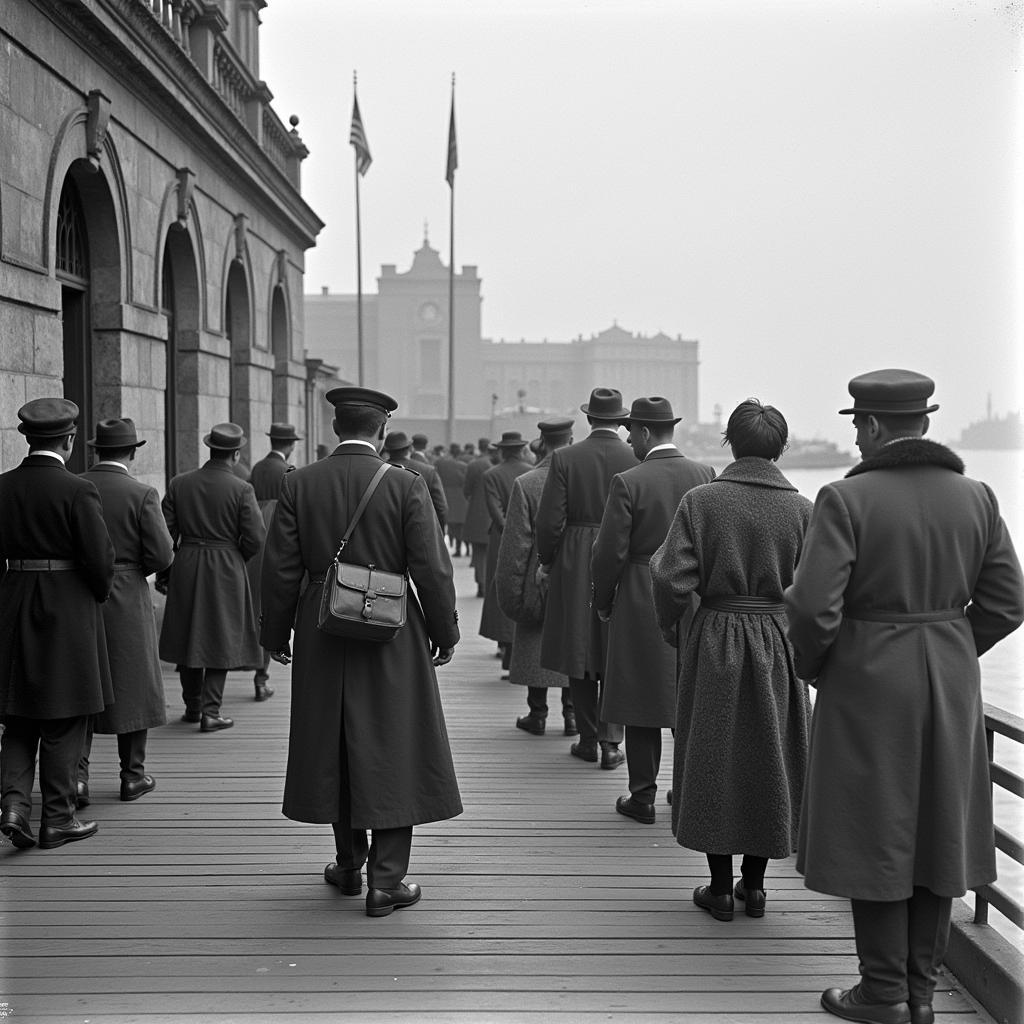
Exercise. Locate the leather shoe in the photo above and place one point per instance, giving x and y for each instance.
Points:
(922, 1013)
(584, 751)
(17, 829)
(264, 692)
(570, 726)
(52, 836)
(381, 902)
(133, 790)
(644, 813)
(719, 907)
(753, 900)
(191, 716)
(531, 724)
(81, 795)
(211, 723)
(849, 1005)
(348, 880)
(611, 757)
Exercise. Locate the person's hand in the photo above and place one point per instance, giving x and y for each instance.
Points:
(283, 656)
(441, 655)
(542, 577)
(604, 614)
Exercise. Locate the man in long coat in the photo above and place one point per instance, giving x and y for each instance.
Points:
(571, 507)
(640, 672)
(398, 449)
(57, 567)
(209, 624)
(476, 531)
(266, 477)
(368, 748)
(520, 595)
(452, 472)
(142, 545)
(907, 575)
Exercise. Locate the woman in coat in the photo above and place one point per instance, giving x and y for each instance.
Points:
(742, 714)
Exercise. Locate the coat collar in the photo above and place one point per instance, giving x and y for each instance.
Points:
(905, 454)
(44, 462)
(109, 467)
(756, 471)
(356, 448)
(664, 453)
(218, 466)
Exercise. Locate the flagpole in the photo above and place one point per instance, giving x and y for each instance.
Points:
(452, 163)
(359, 264)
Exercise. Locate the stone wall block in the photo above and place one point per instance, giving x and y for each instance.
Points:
(16, 338)
(48, 351)
(107, 358)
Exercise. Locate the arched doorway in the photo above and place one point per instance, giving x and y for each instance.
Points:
(238, 328)
(280, 346)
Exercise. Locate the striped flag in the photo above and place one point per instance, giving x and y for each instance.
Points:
(357, 136)
(453, 149)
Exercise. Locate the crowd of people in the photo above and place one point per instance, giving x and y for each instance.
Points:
(648, 591)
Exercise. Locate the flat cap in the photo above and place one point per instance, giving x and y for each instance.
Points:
(228, 437)
(362, 396)
(551, 427)
(891, 393)
(48, 417)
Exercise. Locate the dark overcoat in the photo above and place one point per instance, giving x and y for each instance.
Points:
(515, 578)
(476, 528)
(452, 473)
(494, 623)
(266, 477)
(433, 482)
(209, 621)
(381, 697)
(898, 792)
(142, 545)
(571, 508)
(640, 671)
(742, 715)
(53, 652)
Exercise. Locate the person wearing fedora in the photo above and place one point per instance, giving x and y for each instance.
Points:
(398, 448)
(907, 576)
(640, 673)
(142, 545)
(367, 745)
(476, 530)
(57, 568)
(494, 623)
(266, 477)
(209, 624)
(574, 640)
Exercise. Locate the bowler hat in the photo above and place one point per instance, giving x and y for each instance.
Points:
(362, 397)
(228, 437)
(653, 411)
(48, 417)
(397, 441)
(282, 432)
(891, 393)
(604, 404)
(510, 439)
(116, 434)
(549, 428)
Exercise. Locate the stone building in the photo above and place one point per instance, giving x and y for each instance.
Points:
(152, 230)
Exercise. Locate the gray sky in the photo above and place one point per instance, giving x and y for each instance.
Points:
(812, 189)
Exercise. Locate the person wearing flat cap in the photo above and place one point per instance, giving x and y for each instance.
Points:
(572, 504)
(142, 545)
(368, 748)
(520, 595)
(640, 673)
(907, 576)
(209, 625)
(56, 570)
(266, 477)
(398, 448)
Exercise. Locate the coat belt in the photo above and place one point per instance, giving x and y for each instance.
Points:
(41, 564)
(583, 523)
(897, 618)
(127, 566)
(743, 604)
(208, 542)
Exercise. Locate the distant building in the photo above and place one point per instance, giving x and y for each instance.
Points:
(152, 230)
(498, 384)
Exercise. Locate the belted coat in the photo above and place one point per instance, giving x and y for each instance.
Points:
(365, 717)
(53, 651)
(142, 545)
(209, 620)
(452, 473)
(640, 670)
(571, 508)
(908, 576)
(476, 528)
(494, 623)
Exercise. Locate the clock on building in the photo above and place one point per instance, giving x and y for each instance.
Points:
(429, 312)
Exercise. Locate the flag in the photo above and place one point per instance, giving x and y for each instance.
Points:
(453, 149)
(358, 139)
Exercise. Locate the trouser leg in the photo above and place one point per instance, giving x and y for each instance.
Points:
(568, 708)
(752, 870)
(213, 690)
(928, 936)
(608, 733)
(18, 748)
(881, 932)
(584, 700)
(191, 689)
(131, 751)
(83, 760)
(720, 865)
(60, 747)
(643, 758)
(263, 672)
(351, 844)
(388, 860)
(537, 701)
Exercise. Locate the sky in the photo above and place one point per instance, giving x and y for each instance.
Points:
(810, 188)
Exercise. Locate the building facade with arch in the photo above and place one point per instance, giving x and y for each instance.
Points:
(152, 228)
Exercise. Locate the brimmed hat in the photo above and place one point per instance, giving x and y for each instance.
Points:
(397, 441)
(891, 393)
(116, 434)
(604, 404)
(48, 417)
(420, 439)
(653, 411)
(551, 428)
(510, 439)
(283, 432)
(362, 396)
(226, 437)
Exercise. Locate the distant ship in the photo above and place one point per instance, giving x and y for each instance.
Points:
(704, 443)
(999, 433)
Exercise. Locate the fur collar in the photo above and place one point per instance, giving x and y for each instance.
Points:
(906, 454)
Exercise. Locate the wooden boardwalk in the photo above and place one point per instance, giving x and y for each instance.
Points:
(200, 902)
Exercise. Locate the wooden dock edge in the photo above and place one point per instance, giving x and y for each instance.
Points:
(987, 965)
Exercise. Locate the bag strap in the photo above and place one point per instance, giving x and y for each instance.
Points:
(361, 507)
